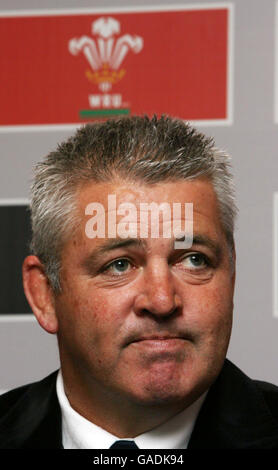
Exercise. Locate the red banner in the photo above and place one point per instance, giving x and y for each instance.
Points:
(66, 68)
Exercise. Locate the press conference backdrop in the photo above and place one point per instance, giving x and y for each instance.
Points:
(218, 68)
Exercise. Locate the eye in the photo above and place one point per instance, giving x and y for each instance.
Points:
(118, 266)
(195, 261)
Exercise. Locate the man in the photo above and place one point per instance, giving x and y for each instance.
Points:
(143, 315)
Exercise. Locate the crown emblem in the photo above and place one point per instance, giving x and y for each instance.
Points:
(105, 53)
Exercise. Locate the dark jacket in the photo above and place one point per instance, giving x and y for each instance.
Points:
(238, 413)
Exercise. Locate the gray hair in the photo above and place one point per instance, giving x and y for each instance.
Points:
(133, 148)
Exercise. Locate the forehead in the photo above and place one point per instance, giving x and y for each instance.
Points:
(199, 191)
(111, 196)
(206, 216)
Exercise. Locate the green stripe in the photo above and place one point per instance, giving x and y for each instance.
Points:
(103, 112)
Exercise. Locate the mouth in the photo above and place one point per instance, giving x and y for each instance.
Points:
(157, 338)
(159, 342)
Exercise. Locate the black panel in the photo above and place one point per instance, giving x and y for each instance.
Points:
(15, 236)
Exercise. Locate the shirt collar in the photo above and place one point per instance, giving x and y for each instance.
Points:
(79, 433)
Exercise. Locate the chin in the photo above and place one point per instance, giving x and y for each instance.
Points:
(166, 396)
(168, 384)
(167, 389)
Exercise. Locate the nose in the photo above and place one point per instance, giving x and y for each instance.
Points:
(157, 296)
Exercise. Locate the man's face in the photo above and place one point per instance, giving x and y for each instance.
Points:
(139, 319)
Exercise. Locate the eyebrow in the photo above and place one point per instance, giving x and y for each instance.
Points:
(110, 245)
(208, 242)
(113, 244)
(116, 243)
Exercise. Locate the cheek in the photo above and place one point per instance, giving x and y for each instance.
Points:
(106, 306)
(209, 309)
(217, 328)
(93, 314)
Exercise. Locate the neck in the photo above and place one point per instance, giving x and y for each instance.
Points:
(120, 415)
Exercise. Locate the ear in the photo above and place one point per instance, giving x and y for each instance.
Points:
(39, 293)
(234, 266)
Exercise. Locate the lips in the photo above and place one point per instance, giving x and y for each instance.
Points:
(143, 337)
(156, 338)
(156, 347)
(158, 342)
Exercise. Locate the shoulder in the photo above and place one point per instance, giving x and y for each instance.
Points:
(12, 397)
(8, 399)
(245, 386)
(27, 413)
(269, 393)
(238, 413)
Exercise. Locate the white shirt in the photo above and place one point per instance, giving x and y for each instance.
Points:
(79, 433)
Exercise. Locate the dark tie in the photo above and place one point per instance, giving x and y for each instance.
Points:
(124, 445)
